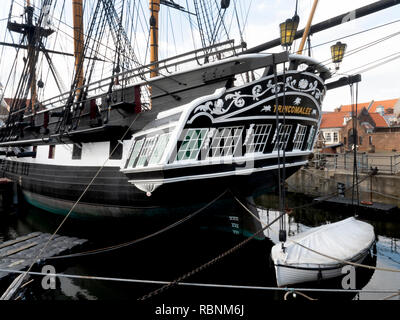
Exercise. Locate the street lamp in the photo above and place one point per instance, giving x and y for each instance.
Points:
(337, 52)
(288, 31)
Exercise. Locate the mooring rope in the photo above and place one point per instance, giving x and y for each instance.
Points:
(129, 243)
(146, 237)
(394, 292)
(207, 264)
(294, 292)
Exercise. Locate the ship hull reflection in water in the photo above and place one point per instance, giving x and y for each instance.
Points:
(176, 252)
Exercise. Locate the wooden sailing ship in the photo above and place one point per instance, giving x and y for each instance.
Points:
(159, 143)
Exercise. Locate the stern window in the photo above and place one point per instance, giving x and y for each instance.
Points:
(135, 152)
(159, 148)
(299, 137)
(258, 137)
(283, 137)
(147, 149)
(225, 142)
(191, 144)
(310, 141)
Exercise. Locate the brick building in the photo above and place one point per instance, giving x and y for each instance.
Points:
(377, 126)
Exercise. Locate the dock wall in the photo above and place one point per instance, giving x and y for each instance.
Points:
(320, 182)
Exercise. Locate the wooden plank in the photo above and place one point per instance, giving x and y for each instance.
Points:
(24, 253)
(7, 295)
(24, 238)
(15, 263)
(11, 252)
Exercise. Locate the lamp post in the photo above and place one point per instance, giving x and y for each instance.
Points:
(288, 31)
(337, 52)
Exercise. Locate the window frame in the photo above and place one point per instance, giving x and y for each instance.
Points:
(230, 142)
(189, 145)
(258, 138)
(301, 132)
(285, 131)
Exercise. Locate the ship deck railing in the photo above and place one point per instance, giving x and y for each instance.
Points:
(141, 74)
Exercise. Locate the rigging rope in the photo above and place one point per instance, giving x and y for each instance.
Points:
(77, 201)
(355, 191)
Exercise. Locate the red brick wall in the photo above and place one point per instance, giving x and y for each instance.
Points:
(381, 141)
(386, 141)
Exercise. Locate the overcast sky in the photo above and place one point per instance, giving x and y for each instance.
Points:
(262, 25)
(380, 83)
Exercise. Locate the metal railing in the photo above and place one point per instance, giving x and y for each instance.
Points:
(387, 164)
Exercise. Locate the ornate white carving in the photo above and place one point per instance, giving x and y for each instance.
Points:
(297, 101)
(207, 140)
(304, 85)
(249, 133)
(267, 108)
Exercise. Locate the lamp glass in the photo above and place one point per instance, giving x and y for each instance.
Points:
(337, 52)
(288, 31)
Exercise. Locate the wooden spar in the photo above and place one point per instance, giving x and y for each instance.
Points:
(307, 29)
(332, 22)
(78, 40)
(154, 9)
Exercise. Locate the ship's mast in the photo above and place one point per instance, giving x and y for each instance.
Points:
(31, 52)
(33, 34)
(154, 9)
(78, 41)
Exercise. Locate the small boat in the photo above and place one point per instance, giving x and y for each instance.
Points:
(348, 239)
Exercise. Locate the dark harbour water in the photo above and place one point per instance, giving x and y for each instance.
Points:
(178, 251)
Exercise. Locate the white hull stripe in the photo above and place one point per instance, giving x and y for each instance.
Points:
(215, 161)
(216, 175)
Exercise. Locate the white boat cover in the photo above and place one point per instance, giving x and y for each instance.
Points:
(342, 240)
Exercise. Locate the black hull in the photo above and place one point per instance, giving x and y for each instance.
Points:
(56, 188)
(224, 139)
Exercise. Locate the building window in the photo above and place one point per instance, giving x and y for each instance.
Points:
(283, 137)
(52, 151)
(299, 137)
(335, 137)
(257, 136)
(370, 140)
(225, 142)
(76, 151)
(191, 144)
(328, 137)
(360, 140)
